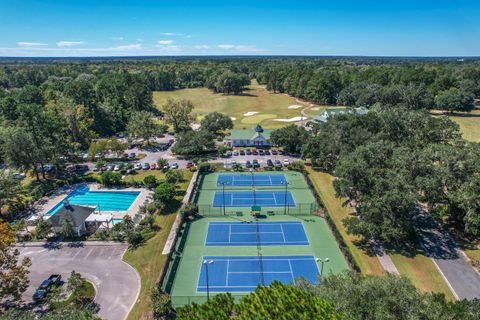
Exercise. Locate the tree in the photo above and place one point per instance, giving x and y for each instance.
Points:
(109, 179)
(229, 82)
(454, 99)
(43, 228)
(381, 298)
(161, 304)
(13, 271)
(150, 181)
(9, 188)
(164, 192)
(67, 230)
(191, 142)
(216, 122)
(179, 114)
(291, 138)
(174, 176)
(141, 125)
(74, 281)
(288, 303)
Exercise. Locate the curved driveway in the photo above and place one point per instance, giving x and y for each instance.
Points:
(116, 282)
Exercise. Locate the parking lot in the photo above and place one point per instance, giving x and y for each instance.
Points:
(117, 284)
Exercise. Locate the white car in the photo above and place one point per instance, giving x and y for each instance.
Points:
(286, 162)
(116, 168)
(137, 166)
(174, 166)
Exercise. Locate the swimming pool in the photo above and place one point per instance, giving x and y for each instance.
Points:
(103, 200)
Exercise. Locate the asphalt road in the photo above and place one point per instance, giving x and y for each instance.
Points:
(117, 284)
(440, 246)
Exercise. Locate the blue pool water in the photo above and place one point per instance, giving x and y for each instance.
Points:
(103, 200)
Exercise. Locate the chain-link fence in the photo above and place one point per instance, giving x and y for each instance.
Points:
(300, 209)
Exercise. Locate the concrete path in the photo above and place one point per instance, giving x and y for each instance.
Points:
(462, 279)
(117, 284)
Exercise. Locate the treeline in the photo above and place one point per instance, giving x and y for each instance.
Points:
(344, 296)
(449, 86)
(387, 163)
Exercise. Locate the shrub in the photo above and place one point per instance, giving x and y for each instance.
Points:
(164, 192)
(150, 181)
(205, 167)
(297, 166)
(173, 176)
(190, 210)
(109, 179)
(161, 303)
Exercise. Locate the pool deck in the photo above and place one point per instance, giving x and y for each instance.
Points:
(44, 205)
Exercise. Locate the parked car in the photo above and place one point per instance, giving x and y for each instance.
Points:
(20, 175)
(248, 152)
(235, 153)
(248, 164)
(280, 152)
(110, 167)
(274, 152)
(146, 166)
(132, 155)
(255, 163)
(85, 156)
(233, 163)
(267, 153)
(166, 167)
(189, 165)
(45, 286)
(242, 152)
(153, 166)
(174, 166)
(48, 168)
(228, 154)
(261, 152)
(99, 156)
(286, 162)
(137, 166)
(269, 163)
(117, 167)
(278, 164)
(254, 152)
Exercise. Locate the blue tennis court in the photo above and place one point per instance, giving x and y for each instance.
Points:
(244, 273)
(242, 180)
(253, 198)
(278, 233)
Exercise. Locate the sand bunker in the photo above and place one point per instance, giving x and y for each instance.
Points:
(316, 108)
(294, 119)
(294, 106)
(233, 118)
(250, 113)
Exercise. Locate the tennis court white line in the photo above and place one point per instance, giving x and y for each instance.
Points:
(291, 271)
(229, 233)
(283, 233)
(264, 242)
(256, 232)
(226, 278)
(264, 258)
(264, 272)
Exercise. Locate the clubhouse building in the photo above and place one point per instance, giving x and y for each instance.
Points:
(332, 112)
(252, 137)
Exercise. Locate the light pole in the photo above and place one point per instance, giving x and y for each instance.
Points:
(322, 261)
(253, 188)
(206, 263)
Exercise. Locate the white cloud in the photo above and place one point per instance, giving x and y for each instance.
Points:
(135, 46)
(188, 36)
(69, 43)
(238, 48)
(168, 48)
(202, 46)
(117, 38)
(165, 41)
(30, 44)
(226, 46)
(170, 34)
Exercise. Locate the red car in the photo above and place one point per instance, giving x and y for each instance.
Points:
(153, 166)
(254, 152)
(189, 165)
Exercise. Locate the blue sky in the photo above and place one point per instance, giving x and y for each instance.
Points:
(262, 27)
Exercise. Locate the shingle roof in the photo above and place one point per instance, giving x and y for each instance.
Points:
(76, 214)
(248, 134)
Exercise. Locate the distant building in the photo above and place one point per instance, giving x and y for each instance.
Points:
(76, 214)
(253, 137)
(332, 112)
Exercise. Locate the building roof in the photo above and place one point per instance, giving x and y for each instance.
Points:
(330, 112)
(76, 214)
(249, 134)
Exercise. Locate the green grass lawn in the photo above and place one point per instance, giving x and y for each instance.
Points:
(469, 123)
(148, 259)
(323, 184)
(141, 174)
(422, 272)
(268, 105)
